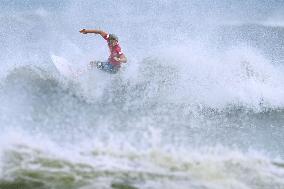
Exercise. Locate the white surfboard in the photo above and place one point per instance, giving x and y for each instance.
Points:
(63, 66)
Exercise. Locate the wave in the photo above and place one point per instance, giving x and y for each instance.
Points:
(43, 101)
(103, 167)
(232, 83)
(155, 88)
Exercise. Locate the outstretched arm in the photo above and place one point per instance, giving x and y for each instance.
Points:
(102, 33)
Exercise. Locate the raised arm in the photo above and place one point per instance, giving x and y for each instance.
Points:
(102, 33)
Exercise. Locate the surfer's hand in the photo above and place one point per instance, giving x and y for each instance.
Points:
(83, 31)
(116, 59)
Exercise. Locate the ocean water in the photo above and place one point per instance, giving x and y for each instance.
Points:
(200, 103)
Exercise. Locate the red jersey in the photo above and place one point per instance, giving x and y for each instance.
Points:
(115, 51)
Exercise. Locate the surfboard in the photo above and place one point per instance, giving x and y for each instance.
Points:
(62, 66)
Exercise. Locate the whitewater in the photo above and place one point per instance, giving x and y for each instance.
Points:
(200, 103)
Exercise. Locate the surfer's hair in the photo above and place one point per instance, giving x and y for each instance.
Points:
(113, 37)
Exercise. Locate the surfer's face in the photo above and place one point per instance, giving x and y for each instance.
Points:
(112, 42)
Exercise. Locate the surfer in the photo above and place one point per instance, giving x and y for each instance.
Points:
(116, 57)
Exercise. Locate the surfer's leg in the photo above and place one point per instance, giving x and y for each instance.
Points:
(104, 66)
(107, 67)
(113, 69)
(93, 64)
(101, 65)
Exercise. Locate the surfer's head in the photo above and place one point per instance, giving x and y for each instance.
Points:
(113, 39)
